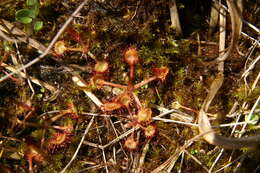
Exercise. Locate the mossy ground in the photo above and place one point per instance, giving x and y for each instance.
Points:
(109, 28)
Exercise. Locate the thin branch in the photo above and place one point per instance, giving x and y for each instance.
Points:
(169, 163)
(250, 116)
(251, 67)
(196, 125)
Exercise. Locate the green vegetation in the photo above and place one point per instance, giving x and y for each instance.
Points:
(29, 15)
(125, 55)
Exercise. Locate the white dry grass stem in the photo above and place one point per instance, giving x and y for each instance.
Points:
(79, 145)
(182, 159)
(120, 137)
(251, 66)
(222, 40)
(81, 83)
(257, 169)
(142, 157)
(174, 121)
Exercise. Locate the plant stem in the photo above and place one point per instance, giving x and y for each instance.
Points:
(139, 105)
(30, 164)
(114, 85)
(129, 111)
(131, 72)
(144, 82)
(189, 109)
(74, 49)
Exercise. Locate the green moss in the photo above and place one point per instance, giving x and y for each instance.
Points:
(240, 93)
(108, 28)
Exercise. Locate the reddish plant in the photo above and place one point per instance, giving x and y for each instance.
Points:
(150, 131)
(60, 48)
(177, 105)
(74, 35)
(26, 106)
(101, 67)
(131, 58)
(102, 82)
(72, 110)
(130, 143)
(67, 127)
(62, 136)
(32, 152)
(125, 99)
(161, 72)
(4, 58)
(11, 77)
(144, 116)
(59, 140)
(111, 106)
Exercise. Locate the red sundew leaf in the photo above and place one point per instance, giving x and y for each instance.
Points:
(131, 56)
(161, 72)
(144, 115)
(34, 152)
(111, 106)
(101, 67)
(59, 47)
(125, 99)
(150, 131)
(131, 144)
(73, 34)
(59, 140)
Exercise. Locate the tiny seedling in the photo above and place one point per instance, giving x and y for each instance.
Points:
(28, 16)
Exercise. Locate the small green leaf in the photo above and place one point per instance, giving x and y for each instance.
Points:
(38, 26)
(24, 16)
